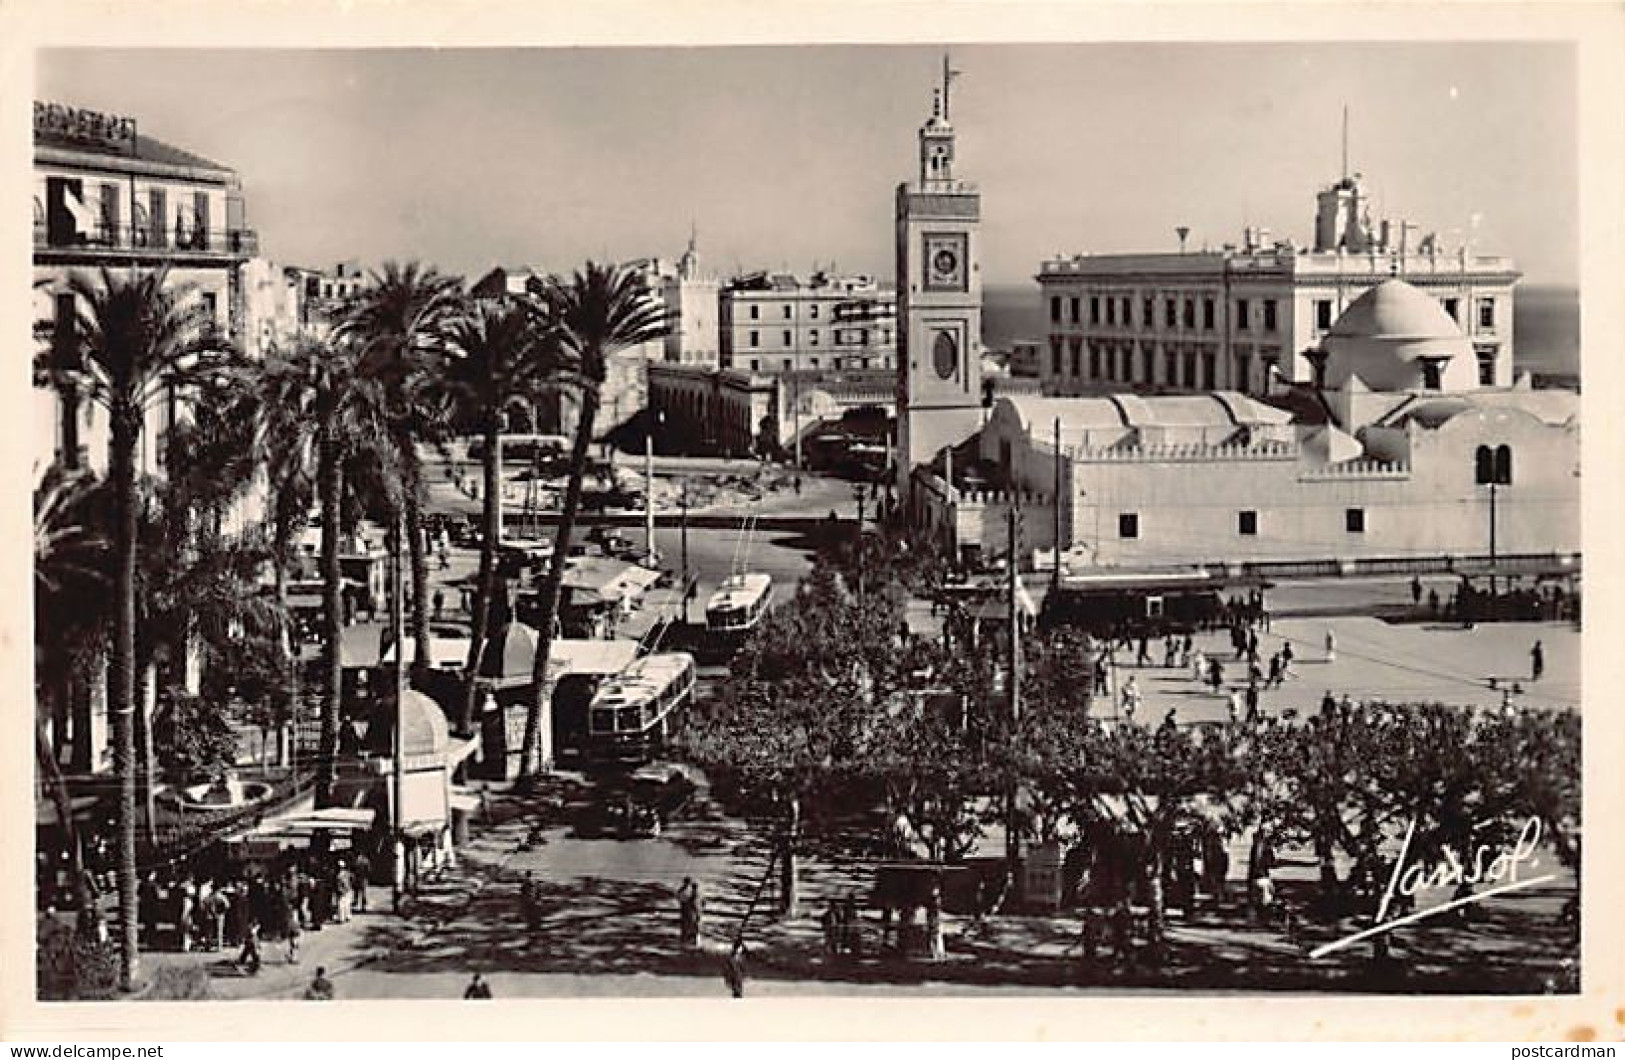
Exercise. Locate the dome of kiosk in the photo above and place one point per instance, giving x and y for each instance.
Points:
(423, 727)
(1390, 335)
(511, 652)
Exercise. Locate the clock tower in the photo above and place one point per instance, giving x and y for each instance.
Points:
(939, 300)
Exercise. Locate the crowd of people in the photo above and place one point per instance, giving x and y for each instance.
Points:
(244, 908)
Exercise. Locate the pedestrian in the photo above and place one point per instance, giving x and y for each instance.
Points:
(1416, 591)
(1234, 705)
(477, 990)
(1252, 702)
(1102, 682)
(1198, 666)
(829, 921)
(1142, 657)
(439, 603)
(1331, 646)
(342, 894)
(1433, 602)
(1186, 648)
(1274, 680)
(1215, 674)
(295, 929)
(1252, 645)
(733, 970)
(250, 956)
(1537, 661)
(359, 879)
(527, 900)
(1286, 659)
(320, 988)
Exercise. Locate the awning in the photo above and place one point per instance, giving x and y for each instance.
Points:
(464, 801)
(445, 653)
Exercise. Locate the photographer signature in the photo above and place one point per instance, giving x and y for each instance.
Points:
(1485, 864)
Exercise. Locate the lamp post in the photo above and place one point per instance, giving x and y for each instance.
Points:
(688, 588)
(1493, 468)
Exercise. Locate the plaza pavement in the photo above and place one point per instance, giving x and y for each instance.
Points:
(609, 929)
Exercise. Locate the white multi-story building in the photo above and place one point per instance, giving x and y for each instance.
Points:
(1248, 317)
(106, 195)
(774, 323)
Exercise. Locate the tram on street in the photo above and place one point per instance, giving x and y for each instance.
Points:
(631, 714)
(1152, 603)
(737, 607)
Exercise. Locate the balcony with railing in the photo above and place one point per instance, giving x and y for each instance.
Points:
(142, 240)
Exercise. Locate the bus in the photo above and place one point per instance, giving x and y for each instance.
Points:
(630, 716)
(737, 607)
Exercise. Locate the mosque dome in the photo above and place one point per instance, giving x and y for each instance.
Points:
(1396, 337)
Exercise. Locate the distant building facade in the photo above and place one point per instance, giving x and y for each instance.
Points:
(625, 389)
(776, 322)
(1383, 462)
(1245, 317)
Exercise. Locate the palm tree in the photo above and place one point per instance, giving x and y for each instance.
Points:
(499, 355)
(141, 341)
(70, 623)
(595, 314)
(318, 394)
(394, 321)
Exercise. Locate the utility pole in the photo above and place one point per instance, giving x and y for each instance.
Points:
(1493, 484)
(1056, 577)
(649, 499)
(687, 587)
(1012, 823)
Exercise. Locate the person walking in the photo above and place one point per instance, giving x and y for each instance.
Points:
(688, 913)
(1331, 646)
(1234, 705)
(250, 957)
(439, 603)
(1142, 657)
(1537, 661)
(1416, 591)
(477, 990)
(1286, 659)
(295, 930)
(320, 988)
(342, 894)
(1199, 666)
(358, 881)
(1215, 674)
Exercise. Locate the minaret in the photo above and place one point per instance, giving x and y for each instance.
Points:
(939, 299)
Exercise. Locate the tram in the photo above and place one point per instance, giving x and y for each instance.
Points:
(631, 714)
(1152, 603)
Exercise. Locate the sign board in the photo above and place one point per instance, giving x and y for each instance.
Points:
(1041, 876)
(77, 123)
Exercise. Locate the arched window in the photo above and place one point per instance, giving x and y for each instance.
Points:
(1493, 466)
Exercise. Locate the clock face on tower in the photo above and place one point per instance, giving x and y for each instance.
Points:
(945, 354)
(945, 263)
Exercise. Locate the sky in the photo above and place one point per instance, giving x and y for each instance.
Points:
(788, 157)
